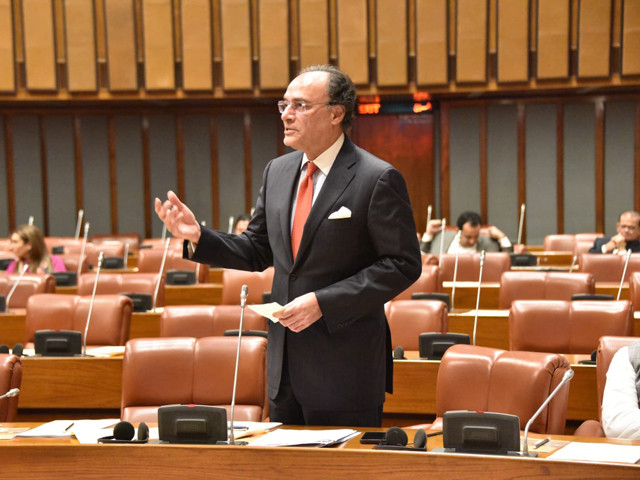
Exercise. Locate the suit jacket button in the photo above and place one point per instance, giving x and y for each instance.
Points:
(293, 276)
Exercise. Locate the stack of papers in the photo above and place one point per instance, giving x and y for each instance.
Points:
(597, 452)
(296, 438)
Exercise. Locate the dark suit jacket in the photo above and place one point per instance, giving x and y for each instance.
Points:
(354, 265)
(485, 243)
(599, 242)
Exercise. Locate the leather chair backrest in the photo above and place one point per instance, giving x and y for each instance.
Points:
(207, 320)
(566, 326)
(429, 259)
(110, 249)
(257, 282)
(70, 244)
(524, 285)
(492, 380)
(428, 282)
(468, 270)
(588, 237)
(174, 243)
(409, 318)
(133, 239)
(161, 371)
(150, 259)
(563, 242)
(109, 282)
(110, 317)
(634, 289)
(71, 261)
(607, 267)
(10, 377)
(581, 246)
(30, 284)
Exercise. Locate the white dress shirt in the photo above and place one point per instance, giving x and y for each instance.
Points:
(620, 410)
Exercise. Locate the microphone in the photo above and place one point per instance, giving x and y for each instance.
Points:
(93, 297)
(126, 255)
(79, 223)
(444, 224)
(164, 232)
(573, 263)
(398, 353)
(30, 221)
(428, 216)
(15, 285)
(164, 259)
(624, 272)
(568, 375)
(521, 223)
(475, 320)
(244, 293)
(84, 246)
(453, 286)
(11, 393)
(230, 224)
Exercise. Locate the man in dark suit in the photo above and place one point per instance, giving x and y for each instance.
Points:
(627, 238)
(329, 356)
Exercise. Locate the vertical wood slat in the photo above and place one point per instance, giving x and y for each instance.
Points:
(7, 59)
(391, 42)
(432, 42)
(313, 32)
(120, 27)
(513, 40)
(236, 44)
(594, 38)
(39, 43)
(274, 43)
(197, 50)
(631, 38)
(80, 33)
(157, 32)
(599, 164)
(471, 40)
(553, 39)
(353, 52)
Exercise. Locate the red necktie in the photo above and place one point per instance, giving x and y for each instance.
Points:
(303, 207)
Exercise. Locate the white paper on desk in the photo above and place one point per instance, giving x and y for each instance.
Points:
(597, 452)
(267, 310)
(65, 428)
(290, 438)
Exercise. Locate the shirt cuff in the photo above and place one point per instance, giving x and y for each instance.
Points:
(505, 242)
(426, 238)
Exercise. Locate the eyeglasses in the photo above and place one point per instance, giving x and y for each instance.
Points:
(298, 106)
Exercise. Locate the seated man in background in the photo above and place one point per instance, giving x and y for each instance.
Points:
(620, 401)
(467, 239)
(627, 238)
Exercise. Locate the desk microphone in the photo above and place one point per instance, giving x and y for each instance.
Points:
(244, 293)
(475, 320)
(624, 272)
(568, 375)
(573, 263)
(164, 259)
(25, 267)
(11, 393)
(93, 297)
(79, 223)
(398, 353)
(444, 226)
(521, 223)
(453, 286)
(83, 247)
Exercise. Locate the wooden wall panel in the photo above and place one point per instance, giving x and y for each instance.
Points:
(594, 38)
(553, 39)
(431, 42)
(40, 55)
(236, 44)
(630, 37)
(120, 27)
(391, 37)
(197, 53)
(7, 60)
(353, 54)
(80, 36)
(313, 32)
(513, 40)
(274, 43)
(471, 40)
(157, 33)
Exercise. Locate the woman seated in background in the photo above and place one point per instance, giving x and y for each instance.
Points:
(27, 244)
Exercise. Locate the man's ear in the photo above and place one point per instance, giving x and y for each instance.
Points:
(337, 114)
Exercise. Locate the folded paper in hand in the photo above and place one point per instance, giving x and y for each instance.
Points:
(267, 310)
(342, 212)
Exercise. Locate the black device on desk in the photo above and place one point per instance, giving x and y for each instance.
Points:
(57, 343)
(372, 438)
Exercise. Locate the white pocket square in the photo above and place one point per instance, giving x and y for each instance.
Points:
(342, 212)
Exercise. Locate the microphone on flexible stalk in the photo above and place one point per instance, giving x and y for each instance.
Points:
(11, 393)
(568, 375)
(93, 297)
(453, 286)
(244, 293)
(79, 223)
(573, 263)
(444, 225)
(84, 246)
(25, 267)
(475, 320)
(521, 223)
(624, 272)
(164, 259)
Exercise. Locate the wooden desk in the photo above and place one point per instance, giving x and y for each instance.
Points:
(29, 458)
(200, 294)
(553, 258)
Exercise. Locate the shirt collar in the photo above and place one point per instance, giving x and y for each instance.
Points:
(325, 160)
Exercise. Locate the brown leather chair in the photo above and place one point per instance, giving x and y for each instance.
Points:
(428, 282)
(180, 370)
(524, 285)
(30, 284)
(492, 380)
(495, 264)
(607, 348)
(10, 377)
(588, 237)
(174, 243)
(607, 267)
(150, 259)
(257, 282)
(109, 324)
(634, 289)
(429, 259)
(111, 283)
(207, 320)
(68, 244)
(563, 242)
(566, 327)
(71, 261)
(409, 318)
(133, 239)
